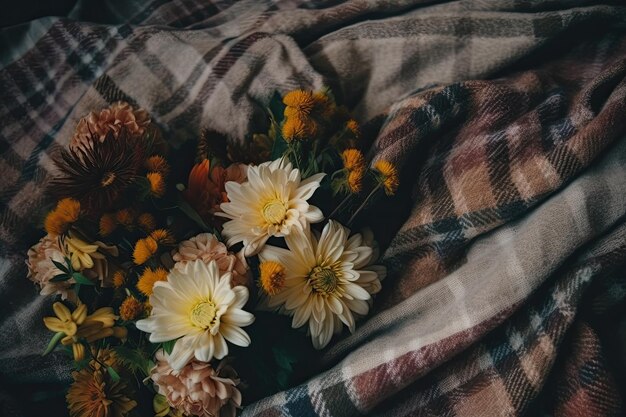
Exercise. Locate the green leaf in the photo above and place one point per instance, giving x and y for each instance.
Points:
(192, 214)
(61, 267)
(60, 278)
(81, 279)
(114, 375)
(53, 342)
(168, 346)
(134, 359)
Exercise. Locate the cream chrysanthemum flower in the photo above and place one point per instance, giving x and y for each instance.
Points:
(273, 202)
(199, 307)
(326, 280)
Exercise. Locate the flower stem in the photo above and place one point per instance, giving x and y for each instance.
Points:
(344, 201)
(364, 203)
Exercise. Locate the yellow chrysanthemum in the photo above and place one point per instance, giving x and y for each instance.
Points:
(353, 159)
(148, 278)
(69, 209)
(355, 180)
(294, 128)
(125, 217)
(353, 126)
(147, 222)
(62, 217)
(119, 279)
(301, 100)
(157, 163)
(55, 224)
(131, 308)
(272, 277)
(388, 176)
(162, 237)
(108, 224)
(144, 250)
(157, 184)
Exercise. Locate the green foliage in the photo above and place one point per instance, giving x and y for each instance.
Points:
(135, 360)
(276, 109)
(113, 374)
(53, 342)
(192, 214)
(168, 346)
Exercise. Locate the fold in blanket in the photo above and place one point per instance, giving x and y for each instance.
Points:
(506, 244)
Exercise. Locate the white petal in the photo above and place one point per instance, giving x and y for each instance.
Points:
(235, 335)
(183, 351)
(238, 317)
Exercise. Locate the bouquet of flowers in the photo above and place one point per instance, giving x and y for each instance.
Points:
(181, 273)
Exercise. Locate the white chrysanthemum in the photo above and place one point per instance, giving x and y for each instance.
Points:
(273, 202)
(325, 281)
(198, 306)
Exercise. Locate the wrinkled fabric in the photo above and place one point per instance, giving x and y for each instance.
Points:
(505, 243)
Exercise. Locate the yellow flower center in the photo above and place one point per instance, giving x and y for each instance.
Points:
(203, 314)
(324, 280)
(274, 211)
(107, 179)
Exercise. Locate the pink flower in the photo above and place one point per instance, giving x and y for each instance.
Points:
(41, 269)
(207, 247)
(197, 389)
(111, 119)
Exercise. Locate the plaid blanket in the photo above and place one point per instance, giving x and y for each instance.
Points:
(505, 244)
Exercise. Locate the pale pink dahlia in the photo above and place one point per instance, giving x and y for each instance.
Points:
(41, 269)
(207, 247)
(197, 389)
(120, 115)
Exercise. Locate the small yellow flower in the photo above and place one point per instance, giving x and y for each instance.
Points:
(353, 126)
(294, 128)
(301, 100)
(108, 224)
(157, 184)
(144, 250)
(272, 277)
(82, 254)
(131, 308)
(157, 163)
(147, 222)
(353, 159)
(59, 220)
(78, 325)
(162, 237)
(54, 224)
(125, 217)
(148, 278)
(388, 176)
(355, 180)
(119, 279)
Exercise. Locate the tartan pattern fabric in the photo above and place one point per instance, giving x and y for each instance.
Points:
(491, 111)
